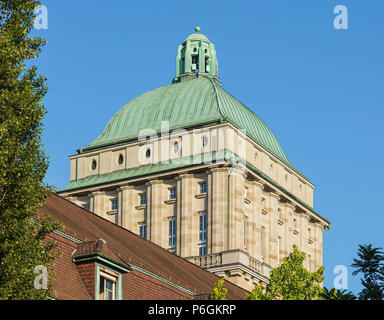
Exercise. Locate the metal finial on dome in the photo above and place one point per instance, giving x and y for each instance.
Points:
(197, 29)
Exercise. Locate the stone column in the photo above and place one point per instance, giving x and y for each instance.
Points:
(218, 208)
(304, 221)
(97, 203)
(185, 241)
(273, 237)
(126, 207)
(258, 188)
(318, 252)
(236, 181)
(148, 211)
(288, 237)
(155, 198)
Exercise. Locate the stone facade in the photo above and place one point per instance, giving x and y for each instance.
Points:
(215, 188)
(247, 208)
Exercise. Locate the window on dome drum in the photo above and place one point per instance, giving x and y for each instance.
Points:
(143, 230)
(107, 290)
(172, 234)
(203, 187)
(87, 206)
(205, 141)
(172, 193)
(148, 153)
(121, 159)
(114, 204)
(203, 228)
(143, 198)
(94, 165)
(176, 147)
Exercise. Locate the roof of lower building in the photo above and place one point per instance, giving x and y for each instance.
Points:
(126, 248)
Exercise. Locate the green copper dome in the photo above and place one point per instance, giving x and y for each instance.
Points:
(194, 98)
(186, 104)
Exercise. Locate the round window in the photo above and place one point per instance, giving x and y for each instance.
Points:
(121, 159)
(94, 165)
(148, 153)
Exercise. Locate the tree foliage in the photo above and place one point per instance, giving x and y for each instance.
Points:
(290, 281)
(23, 163)
(335, 294)
(371, 265)
(219, 292)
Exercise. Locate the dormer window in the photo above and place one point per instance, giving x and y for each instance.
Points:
(107, 290)
(106, 281)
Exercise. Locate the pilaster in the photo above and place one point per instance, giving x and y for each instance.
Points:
(155, 210)
(218, 208)
(273, 237)
(126, 206)
(185, 230)
(97, 203)
(258, 188)
(237, 180)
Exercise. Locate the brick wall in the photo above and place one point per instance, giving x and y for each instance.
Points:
(87, 272)
(67, 284)
(78, 281)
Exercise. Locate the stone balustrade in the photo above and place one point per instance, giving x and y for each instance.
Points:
(226, 261)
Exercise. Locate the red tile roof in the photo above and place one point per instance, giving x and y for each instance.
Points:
(128, 248)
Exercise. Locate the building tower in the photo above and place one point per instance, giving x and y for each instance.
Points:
(191, 168)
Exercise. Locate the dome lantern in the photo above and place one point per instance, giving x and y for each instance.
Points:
(196, 56)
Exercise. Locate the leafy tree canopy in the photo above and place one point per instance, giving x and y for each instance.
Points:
(290, 281)
(23, 163)
(370, 264)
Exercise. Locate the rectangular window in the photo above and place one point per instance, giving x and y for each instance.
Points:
(143, 230)
(143, 198)
(114, 204)
(203, 187)
(203, 227)
(107, 287)
(172, 193)
(172, 233)
(87, 206)
(203, 250)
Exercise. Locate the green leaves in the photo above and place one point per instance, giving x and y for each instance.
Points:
(290, 281)
(218, 292)
(23, 163)
(335, 294)
(371, 265)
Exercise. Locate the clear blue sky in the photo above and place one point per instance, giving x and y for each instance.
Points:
(320, 90)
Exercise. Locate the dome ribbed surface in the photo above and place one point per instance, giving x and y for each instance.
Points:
(186, 104)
